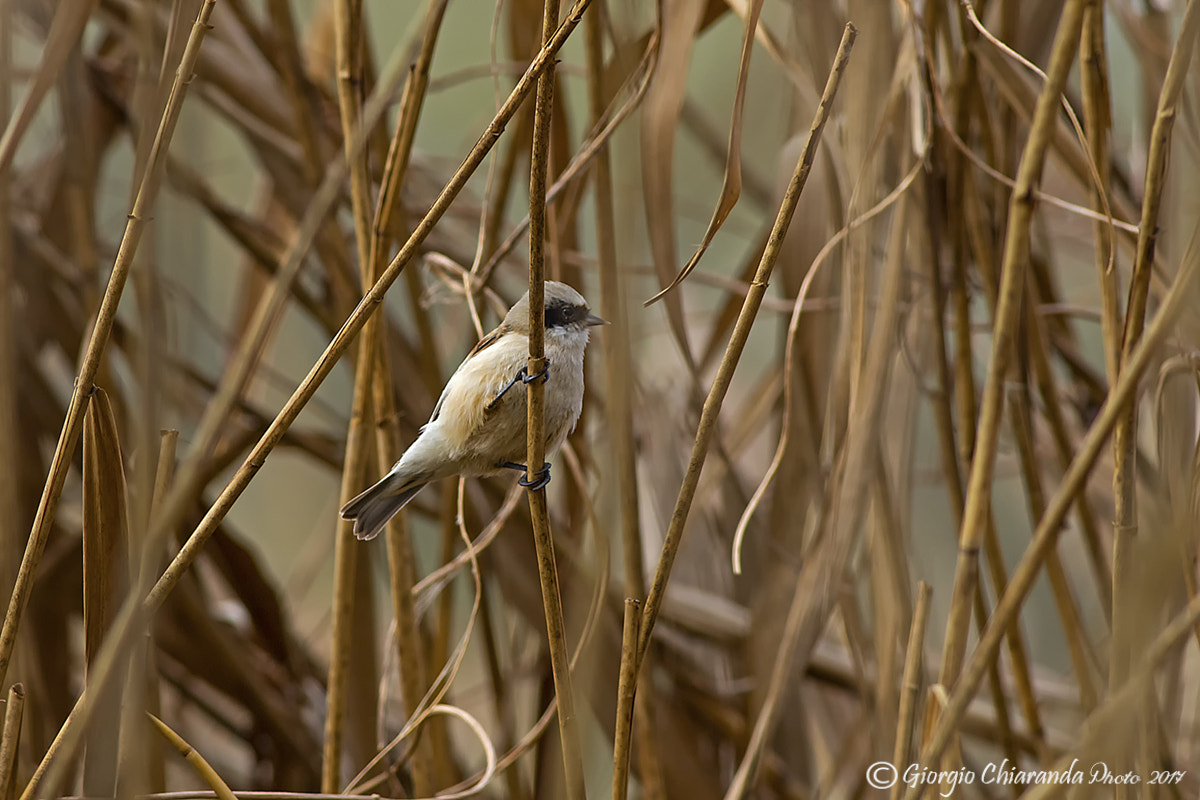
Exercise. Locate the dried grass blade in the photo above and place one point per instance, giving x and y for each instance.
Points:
(105, 574)
(731, 188)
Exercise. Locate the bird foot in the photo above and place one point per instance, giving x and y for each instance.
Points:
(535, 482)
(524, 377)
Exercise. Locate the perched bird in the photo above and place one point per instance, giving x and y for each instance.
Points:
(478, 425)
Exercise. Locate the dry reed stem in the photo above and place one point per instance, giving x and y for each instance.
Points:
(737, 342)
(910, 682)
(1059, 504)
(10, 739)
(854, 473)
(626, 693)
(133, 613)
(1008, 306)
(193, 757)
(138, 217)
(536, 423)
(1125, 434)
(350, 79)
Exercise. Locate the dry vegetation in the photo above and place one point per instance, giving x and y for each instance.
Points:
(943, 512)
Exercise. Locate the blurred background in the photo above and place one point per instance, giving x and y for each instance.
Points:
(896, 247)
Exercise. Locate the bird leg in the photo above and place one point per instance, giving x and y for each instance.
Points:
(524, 377)
(534, 483)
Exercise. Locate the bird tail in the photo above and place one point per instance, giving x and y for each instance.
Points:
(372, 509)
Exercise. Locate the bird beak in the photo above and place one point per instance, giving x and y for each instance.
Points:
(592, 320)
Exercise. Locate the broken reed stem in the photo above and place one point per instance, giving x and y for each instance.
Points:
(348, 29)
(910, 683)
(737, 342)
(193, 757)
(10, 738)
(556, 633)
(977, 509)
(1073, 482)
(626, 694)
(1125, 434)
(133, 612)
(69, 437)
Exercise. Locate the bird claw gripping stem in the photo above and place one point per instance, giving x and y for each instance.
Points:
(524, 377)
(535, 482)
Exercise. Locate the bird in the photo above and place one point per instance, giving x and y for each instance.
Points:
(478, 424)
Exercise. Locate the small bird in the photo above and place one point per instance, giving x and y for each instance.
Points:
(478, 425)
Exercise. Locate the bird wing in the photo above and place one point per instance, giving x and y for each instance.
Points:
(481, 345)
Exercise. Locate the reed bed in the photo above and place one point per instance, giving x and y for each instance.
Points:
(887, 474)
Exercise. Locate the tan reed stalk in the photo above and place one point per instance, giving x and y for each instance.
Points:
(1097, 119)
(132, 613)
(1052, 400)
(556, 633)
(193, 757)
(138, 217)
(401, 567)
(980, 243)
(10, 740)
(626, 693)
(1060, 502)
(351, 76)
(619, 393)
(964, 394)
(1008, 307)
(1064, 599)
(1125, 434)
(849, 493)
(737, 342)
(910, 684)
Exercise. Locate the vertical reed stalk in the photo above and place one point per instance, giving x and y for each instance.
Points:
(536, 424)
(626, 694)
(910, 683)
